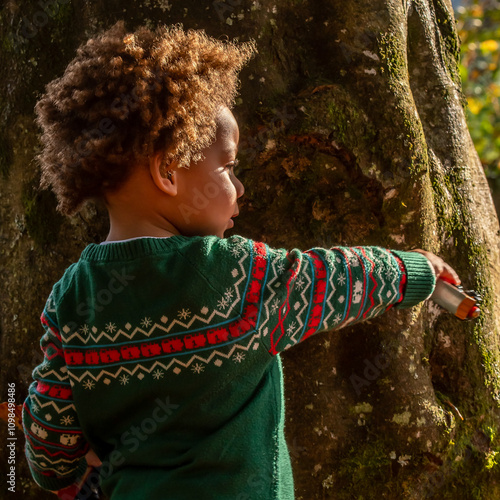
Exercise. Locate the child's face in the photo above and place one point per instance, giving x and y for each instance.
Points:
(209, 190)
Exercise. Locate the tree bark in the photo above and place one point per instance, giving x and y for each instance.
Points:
(352, 133)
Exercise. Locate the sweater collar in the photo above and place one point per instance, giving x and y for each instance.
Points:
(132, 249)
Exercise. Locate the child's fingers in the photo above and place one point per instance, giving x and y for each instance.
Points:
(442, 270)
(449, 274)
(92, 459)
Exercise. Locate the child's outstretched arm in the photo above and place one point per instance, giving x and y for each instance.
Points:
(55, 446)
(290, 295)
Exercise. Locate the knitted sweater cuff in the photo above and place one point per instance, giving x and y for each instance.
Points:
(420, 278)
(56, 484)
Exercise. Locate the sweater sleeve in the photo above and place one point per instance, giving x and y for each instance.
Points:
(291, 295)
(55, 446)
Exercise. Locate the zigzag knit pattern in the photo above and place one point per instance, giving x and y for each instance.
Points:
(180, 318)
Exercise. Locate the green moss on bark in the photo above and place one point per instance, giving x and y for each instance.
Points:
(393, 54)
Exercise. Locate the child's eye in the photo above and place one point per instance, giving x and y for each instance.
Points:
(233, 165)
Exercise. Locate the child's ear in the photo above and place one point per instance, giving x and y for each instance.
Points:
(163, 177)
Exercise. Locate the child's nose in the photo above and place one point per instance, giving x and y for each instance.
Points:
(240, 189)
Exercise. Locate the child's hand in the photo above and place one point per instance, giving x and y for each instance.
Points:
(92, 459)
(71, 491)
(441, 268)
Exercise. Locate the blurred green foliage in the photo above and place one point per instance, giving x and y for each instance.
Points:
(479, 29)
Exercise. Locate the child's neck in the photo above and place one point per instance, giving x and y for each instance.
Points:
(125, 229)
(137, 209)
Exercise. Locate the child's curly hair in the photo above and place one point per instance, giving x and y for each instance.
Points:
(126, 96)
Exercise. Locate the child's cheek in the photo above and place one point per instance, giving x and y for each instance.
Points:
(227, 190)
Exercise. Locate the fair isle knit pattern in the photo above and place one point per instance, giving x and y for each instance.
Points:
(163, 352)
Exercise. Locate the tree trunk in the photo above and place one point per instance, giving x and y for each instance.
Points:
(352, 133)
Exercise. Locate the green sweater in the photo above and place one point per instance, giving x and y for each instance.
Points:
(162, 355)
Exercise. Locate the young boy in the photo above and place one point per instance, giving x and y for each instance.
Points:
(162, 343)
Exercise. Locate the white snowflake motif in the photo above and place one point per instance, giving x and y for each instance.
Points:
(341, 279)
(229, 294)
(222, 303)
(35, 408)
(84, 329)
(300, 283)
(67, 420)
(89, 384)
(184, 313)
(62, 468)
(236, 250)
(338, 318)
(146, 322)
(124, 379)
(280, 267)
(238, 357)
(291, 328)
(110, 327)
(157, 374)
(275, 306)
(197, 368)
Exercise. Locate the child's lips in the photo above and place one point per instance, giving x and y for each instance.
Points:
(231, 221)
